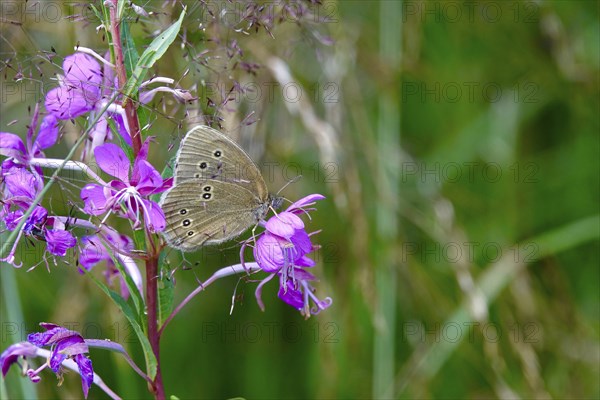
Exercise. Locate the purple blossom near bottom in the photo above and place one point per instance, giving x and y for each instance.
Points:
(65, 344)
(282, 252)
(13, 352)
(59, 241)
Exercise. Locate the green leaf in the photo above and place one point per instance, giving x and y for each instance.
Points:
(97, 12)
(151, 365)
(130, 54)
(136, 296)
(144, 116)
(103, 15)
(139, 239)
(166, 290)
(120, 9)
(154, 52)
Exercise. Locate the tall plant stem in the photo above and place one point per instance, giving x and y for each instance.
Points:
(128, 105)
(157, 387)
(153, 334)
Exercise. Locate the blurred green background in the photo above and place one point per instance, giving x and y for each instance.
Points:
(457, 144)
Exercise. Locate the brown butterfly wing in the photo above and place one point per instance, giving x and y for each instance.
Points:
(206, 153)
(208, 212)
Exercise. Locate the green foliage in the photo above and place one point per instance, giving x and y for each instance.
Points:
(166, 291)
(152, 54)
(135, 325)
(487, 126)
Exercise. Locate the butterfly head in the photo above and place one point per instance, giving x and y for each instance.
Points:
(275, 201)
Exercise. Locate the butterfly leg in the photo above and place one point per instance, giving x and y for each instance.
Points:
(254, 234)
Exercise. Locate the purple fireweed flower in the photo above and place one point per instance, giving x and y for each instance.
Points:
(20, 153)
(93, 251)
(65, 344)
(86, 87)
(12, 354)
(20, 186)
(282, 251)
(59, 241)
(19, 189)
(126, 194)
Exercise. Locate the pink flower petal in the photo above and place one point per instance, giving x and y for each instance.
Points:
(48, 132)
(11, 145)
(92, 252)
(86, 371)
(84, 73)
(13, 352)
(145, 177)
(268, 252)
(301, 241)
(304, 202)
(155, 218)
(121, 129)
(143, 153)
(59, 241)
(21, 183)
(94, 199)
(303, 275)
(112, 160)
(291, 295)
(65, 103)
(284, 224)
(304, 261)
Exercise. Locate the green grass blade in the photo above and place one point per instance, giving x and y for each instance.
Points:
(11, 303)
(426, 361)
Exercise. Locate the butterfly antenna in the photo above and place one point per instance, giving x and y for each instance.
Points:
(293, 180)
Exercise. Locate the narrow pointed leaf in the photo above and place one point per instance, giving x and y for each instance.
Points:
(151, 365)
(153, 52)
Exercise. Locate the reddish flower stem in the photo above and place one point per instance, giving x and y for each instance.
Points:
(153, 335)
(130, 109)
(156, 387)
